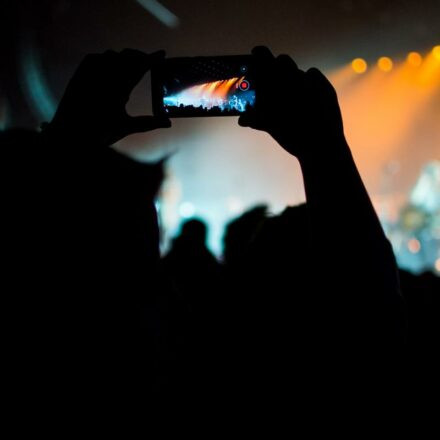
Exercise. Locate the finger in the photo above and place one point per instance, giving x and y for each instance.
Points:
(248, 119)
(317, 75)
(287, 62)
(137, 60)
(157, 56)
(264, 66)
(109, 52)
(134, 64)
(140, 124)
(244, 121)
(263, 53)
(320, 81)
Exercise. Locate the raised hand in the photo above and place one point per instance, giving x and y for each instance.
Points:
(298, 109)
(93, 106)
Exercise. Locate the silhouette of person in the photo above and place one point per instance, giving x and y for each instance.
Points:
(198, 278)
(331, 291)
(191, 264)
(89, 240)
(316, 286)
(239, 234)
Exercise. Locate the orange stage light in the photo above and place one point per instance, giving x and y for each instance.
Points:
(436, 52)
(385, 64)
(359, 65)
(414, 245)
(414, 59)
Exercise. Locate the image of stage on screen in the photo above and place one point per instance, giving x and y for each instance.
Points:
(225, 97)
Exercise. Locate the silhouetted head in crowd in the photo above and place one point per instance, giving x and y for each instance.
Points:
(269, 251)
(191, 242)
(194, 231)
(281, 245)
(286, 232)
(191, 266)
(272, 240)
(240, 232)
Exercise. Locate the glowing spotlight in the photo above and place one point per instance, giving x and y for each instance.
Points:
(35, 83)
(414, 59)
(437, 265)
(436, 52)
(359, 65)
(234, 205)
(414, 245)
(186, 210)
(385, 64)
(159, 11)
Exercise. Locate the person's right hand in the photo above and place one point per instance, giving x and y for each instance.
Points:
(298, 109)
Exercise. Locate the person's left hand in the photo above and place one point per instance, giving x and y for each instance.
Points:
(93, 106)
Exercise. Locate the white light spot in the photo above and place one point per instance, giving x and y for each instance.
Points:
(234, 205)
(186, 210)
(159, 11)
(414, 245)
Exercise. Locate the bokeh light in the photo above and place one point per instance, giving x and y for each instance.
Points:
(436, 52)
(414, 245)
(234, 205)
(385, 64)
(414, 59)
(359, 65)
(186, 210)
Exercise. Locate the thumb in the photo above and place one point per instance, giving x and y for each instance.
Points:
(139, 124)
(248, 119)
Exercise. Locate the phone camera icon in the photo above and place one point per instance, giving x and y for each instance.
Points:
(244, 85)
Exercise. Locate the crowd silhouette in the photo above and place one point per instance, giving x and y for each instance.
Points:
(304, 300)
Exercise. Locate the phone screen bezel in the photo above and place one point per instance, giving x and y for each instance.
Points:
(157, 83)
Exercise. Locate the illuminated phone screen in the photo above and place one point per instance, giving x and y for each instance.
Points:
(206, 86)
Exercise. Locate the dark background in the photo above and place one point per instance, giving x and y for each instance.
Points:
(327, 32)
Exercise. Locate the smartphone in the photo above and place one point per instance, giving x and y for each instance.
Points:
(203, 86)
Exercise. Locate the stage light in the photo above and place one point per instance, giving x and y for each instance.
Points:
(414, 245)
(414, 59)
(436, 52)
(385, 64)
(234, 205)
(35, 83)
(359, 65)
(186, 210)
(159, 11)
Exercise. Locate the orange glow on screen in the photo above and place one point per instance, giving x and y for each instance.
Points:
(216, 89)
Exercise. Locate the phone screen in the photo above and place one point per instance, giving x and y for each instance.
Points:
(204, 86)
